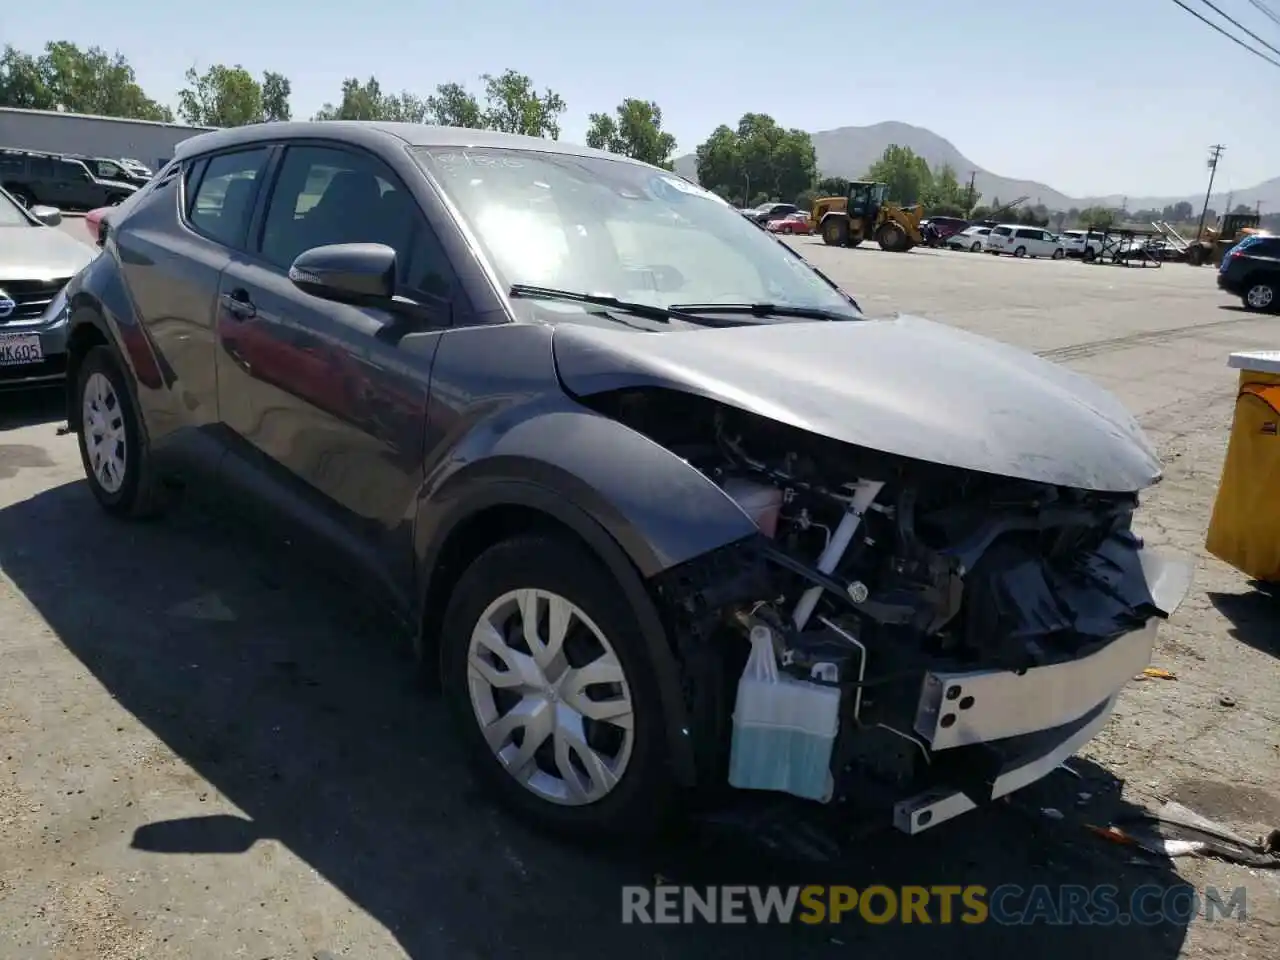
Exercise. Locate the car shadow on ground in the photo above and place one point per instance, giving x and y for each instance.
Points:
(27, 408)
(297, 704)
(1254, 615)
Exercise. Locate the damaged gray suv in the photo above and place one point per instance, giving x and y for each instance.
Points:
(662, 510)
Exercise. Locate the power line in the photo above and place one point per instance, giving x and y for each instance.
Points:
(1216, 9)
(1266, 11)
(1235, 40)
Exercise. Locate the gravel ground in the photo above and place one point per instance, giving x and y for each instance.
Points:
(209, 750)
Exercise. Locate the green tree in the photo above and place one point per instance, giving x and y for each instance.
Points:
(222, 96)
(1096, 217)
(514, 106)
(719, 165)
(360, 101)
(22, 82)
(945, 190)
(980, 212)
(758, 159)
(634, 131)
(79, 81)
(453, 106)
(405, 107)
(276, 90)
(832, 187)
(906, 174)
(1242, 208)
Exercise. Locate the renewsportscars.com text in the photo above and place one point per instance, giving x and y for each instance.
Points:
(1008, 904)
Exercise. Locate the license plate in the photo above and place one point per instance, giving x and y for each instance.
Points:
(21, 348)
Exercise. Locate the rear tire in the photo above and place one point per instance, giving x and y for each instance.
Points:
(1059, 254)
(629, 790)
(976, 248)
(113, 446)
(1260, 297)
(1020, 252)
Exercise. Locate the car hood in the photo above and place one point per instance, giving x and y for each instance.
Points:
(36, 253)
(907, 386)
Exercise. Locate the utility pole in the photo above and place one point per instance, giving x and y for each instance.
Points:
(1215, 154)
(972, 199)
(1257, 207)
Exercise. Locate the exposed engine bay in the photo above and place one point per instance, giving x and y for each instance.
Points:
(873, 573)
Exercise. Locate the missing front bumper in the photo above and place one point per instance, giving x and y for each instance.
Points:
(1030, 722)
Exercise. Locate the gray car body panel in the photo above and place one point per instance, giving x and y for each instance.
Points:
(907, 387)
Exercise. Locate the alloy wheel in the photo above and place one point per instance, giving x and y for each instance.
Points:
(550, 696)
(104, 432)
(1260, 296)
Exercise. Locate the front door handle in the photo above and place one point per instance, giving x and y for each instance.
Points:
(238, 304)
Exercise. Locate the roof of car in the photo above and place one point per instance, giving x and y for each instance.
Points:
(371, 132)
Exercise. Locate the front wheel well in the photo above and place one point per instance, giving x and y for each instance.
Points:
(83, 339)
(463, 545)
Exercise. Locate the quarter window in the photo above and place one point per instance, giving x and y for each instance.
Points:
(223, 201)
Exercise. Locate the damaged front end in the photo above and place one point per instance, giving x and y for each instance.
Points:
(948, 635)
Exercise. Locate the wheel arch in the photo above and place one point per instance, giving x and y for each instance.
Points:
(505, 509)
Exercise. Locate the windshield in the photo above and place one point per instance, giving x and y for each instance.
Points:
(619, 229)
(11, 214)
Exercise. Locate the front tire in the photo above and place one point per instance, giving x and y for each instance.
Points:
(1260, 297)
(550, 683)
(892, 238)
(835, 232)
(113, 447)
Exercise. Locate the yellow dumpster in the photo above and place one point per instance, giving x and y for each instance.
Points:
(1245, 527)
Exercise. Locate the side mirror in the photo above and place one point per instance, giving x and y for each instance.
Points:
(361, 274)
(49, 216)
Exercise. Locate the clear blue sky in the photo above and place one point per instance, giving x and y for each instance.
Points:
(1088, 96)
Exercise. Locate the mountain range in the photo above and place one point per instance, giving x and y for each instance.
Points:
(850, 152)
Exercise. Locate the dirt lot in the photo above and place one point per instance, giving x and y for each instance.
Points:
(208, 750)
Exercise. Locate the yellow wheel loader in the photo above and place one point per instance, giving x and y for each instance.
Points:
(1214, 242)
(866, 214)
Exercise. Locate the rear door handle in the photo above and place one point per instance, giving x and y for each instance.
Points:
(238, 304)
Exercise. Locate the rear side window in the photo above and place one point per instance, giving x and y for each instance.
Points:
(1028, 234)
(1002, 231)
(223, 200)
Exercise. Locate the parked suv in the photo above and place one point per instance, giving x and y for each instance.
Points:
(771, 211)
(62, 182)
(1251, 271)
(621, 460)
(1024, 242)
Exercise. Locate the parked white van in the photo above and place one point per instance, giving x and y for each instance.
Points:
(1022, 241)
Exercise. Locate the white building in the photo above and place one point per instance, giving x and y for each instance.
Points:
(54, 132)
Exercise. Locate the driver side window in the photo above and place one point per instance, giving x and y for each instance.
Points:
(329, 195)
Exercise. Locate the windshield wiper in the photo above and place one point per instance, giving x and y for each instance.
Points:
(763, 310)
(647, 310)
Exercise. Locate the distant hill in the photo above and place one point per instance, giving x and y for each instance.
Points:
(850, 152)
